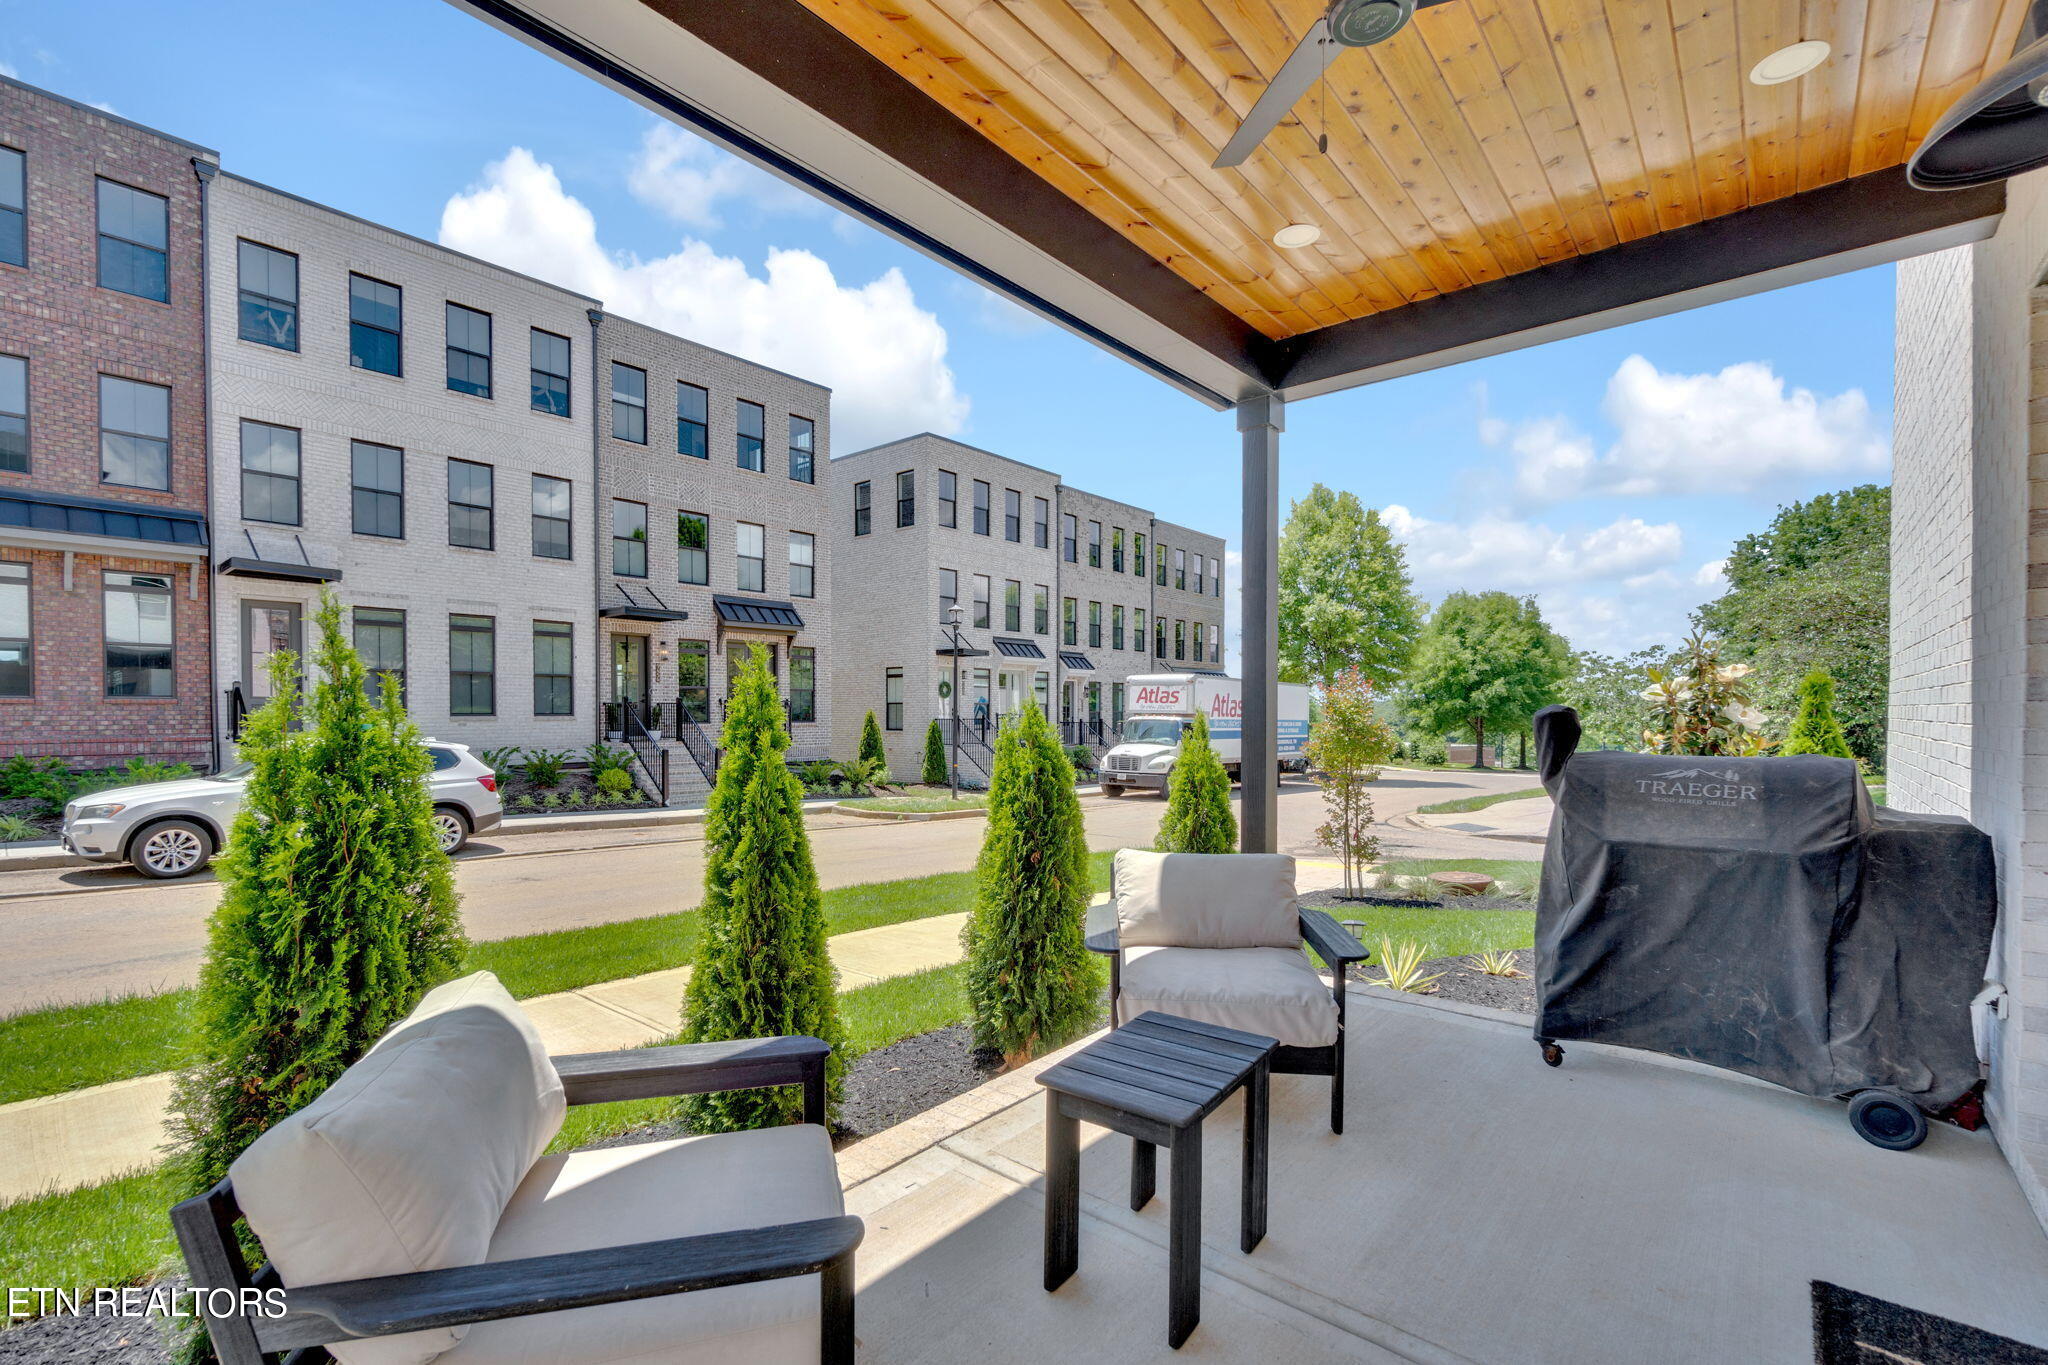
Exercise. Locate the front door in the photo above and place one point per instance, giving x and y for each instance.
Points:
(629, 672)
(269, 628)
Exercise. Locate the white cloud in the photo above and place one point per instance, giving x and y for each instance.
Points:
(1736, 431)
(1712, 574)
(106, 108)
(882, 354)
(8, 71)
(685, 178)
(1491, 551)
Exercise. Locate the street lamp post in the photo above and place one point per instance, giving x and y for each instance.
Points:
(953, 768)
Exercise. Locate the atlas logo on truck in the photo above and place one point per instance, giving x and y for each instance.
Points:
(1163, 706)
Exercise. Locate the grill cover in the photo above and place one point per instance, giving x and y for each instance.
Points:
(1759, 914)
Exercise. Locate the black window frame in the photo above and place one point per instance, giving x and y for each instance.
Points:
(1180, 639)
(1116, 549)
(949, 498)
(253, 304)
(892, 699)
(1215, 577)
(458, 627)
(634, 547)
(1094, 544)
(741, 560)
(562, 526)
(14, 217)
(490, 508)
(803, 700)
(1158, 636)
(1200, 589)
(126, 244)
(1013, 516)
(1140, 641)
(803, 449)
(561, 636)
(379, 619)
(15, 423)
(949, 594)
(1070, 621)
(1095, 625)
(158, 586)
(981, 607)
(1116, 626)
(1041, 523)
(703, 556)
(980, 510)
(20, 573)
(755, 442)
(1070, 538)
(634, 407)
(693, 700)
(449, 311)
(1180, 570)
(269, 479)
(1013, 605)
(863, 508)
(1196, 643)
(375, 495)
(1138, 565)
(540, 397)
(1159, 559)
(809, 565)
(906, 498)
(1041, 609)
(163, 441)
(361, 330)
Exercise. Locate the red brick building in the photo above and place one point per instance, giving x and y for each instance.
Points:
(104, 602)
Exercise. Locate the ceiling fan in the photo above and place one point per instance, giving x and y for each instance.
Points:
(1347, 23)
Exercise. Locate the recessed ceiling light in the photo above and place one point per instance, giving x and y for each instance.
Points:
(1789, 63)
(1298, 235)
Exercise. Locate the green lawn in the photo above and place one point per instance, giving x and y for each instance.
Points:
(1513, 876)
(68, 1047)
(1442, 933)
(918, 800)
(1477, 802)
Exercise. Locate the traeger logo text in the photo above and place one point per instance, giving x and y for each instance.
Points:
(1697, 786)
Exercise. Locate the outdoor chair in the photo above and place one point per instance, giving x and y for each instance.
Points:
(1217, 937)
(410, 1215)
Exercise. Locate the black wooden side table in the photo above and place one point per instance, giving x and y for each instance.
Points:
(1154, 1080)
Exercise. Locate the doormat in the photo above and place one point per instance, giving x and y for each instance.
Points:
(1855, 1329)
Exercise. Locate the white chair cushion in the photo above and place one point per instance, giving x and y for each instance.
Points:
(1274, 992)
(1205, 900)
(409, 1159)
(650, 1192)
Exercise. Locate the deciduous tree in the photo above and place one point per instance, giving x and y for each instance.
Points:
(1347, 743)
(1486, 661)
(1345, 599)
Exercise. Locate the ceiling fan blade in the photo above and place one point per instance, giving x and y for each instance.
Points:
(1302, 69)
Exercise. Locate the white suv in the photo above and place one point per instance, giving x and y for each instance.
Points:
(171, 829)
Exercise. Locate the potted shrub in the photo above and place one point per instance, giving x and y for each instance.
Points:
(614, 721)
(654, 722)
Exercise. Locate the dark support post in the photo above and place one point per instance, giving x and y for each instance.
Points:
(1260, 421)
(1184, 1237)
(1062, 1193)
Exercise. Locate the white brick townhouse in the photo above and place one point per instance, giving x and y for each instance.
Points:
(411, 427)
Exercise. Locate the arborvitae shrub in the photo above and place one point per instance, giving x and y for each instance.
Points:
(934, 755)
(1198, 817)
(1815, 727)
(871, 741)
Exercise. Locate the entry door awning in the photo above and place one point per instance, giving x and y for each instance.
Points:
(1076, 663)
(758, 613)
(1011, 647)
(284, 557)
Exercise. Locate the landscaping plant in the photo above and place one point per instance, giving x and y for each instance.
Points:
(543, 767)
(337, 909)
(761, 968)
(1702, 705)
(935, 771)
(1347, 743)
(1029, 980)
(1198, 817)
(864, 774)
(1815, 728)
(1345, 598)
(1499, 962)
(1485, 662)
(871, 741)
(501, 759)
(600, 758)
(1403, 967)
(615, 781)
(14, 829)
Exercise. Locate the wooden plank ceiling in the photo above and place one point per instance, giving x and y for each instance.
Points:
(1488, 138)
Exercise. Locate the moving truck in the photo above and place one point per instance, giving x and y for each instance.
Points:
(1159, 706)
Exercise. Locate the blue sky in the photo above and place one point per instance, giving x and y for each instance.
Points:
(1605, 474)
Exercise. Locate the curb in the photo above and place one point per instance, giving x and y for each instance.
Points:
(907, 816)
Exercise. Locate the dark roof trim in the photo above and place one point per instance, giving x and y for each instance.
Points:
(636, 612)
(1076, 663)
(248, 566)
(1018, 649)
(63, 514)
(757, 612)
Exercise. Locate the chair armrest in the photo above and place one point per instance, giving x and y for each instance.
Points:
(1331, 940)
(644, 1073)
(1104, 942)
(350, 1310)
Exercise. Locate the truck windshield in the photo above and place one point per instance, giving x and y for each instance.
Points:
(1152, 730)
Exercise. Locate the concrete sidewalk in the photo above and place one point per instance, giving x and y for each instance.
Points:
(1525, 821)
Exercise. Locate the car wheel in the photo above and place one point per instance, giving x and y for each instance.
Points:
(451, 828)
(172, 848)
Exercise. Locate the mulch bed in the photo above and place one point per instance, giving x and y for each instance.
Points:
(30, 808)
(1464, 982)
(511, 786)
(85, 1341)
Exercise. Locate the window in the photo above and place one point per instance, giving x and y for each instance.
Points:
(981, 601)
(469, 351)
(753, 555)
(1013, 516)
(1013, 605)
(1180, 642)
(472, 666)
(1041, 523)
(1116, 549)
(803, 458)
(554, 669)
(1215, 579)
(629, 538)
(1069, 625)
(267, 284)
(138, 629)
(270, 473)
(377, 492)
(1159, 558)
(1180, 569)
(1198, 576)
(13, 414)
(738, 654)
(13, 207)
(892, 699)
(803, 684)
(470, 503)
(906, 497)
(1201, 653)
(1159, 636)
(1095, 625)
(693, 547)
(862, 514)
(1116, 627)
(17, 652)
(1138, 555)
(803, 565)
(1069, 539)
(380, 643)
(551, 513)
(693, 680)
(1216, 645)
(1094, 544)
(134, 240)
(949, 498)
(549, 373)
(1041, 610)
(135, 433)
(376, 313)
(1138, 629)
(753, 428)
(629, 404)
(949, 594)
(980, 508)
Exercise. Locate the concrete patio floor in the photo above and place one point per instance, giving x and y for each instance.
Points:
(1481, 1208)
